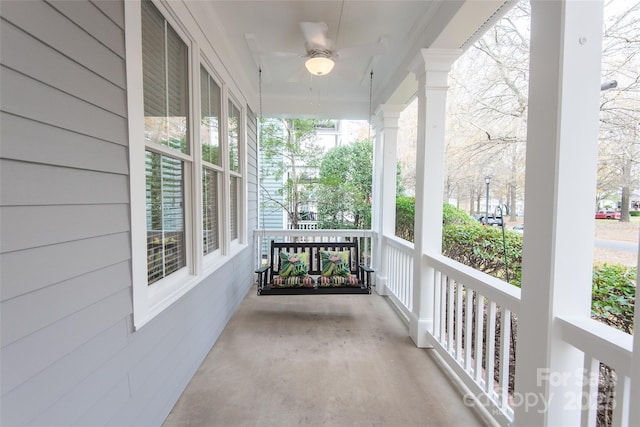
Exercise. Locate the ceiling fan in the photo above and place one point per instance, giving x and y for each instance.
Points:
(320, 51)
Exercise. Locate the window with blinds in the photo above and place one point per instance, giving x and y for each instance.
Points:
(234, 132)
(210, 106)
(210, 204)
(233, 200)
(166, 100)
(234, 168)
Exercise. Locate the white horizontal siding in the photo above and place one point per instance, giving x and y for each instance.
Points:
(46, 387)
(28, 270)
(26, 227)
(32, 99)
(54, 29)
(23, 359)
(37, 184)
(17, 315)
(37, 142)
(67, 76)
(92, 20)
(114, 10)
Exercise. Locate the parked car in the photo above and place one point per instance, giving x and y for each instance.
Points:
(607, 214)
(491, 220)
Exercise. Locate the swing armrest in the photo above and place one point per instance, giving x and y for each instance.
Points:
(263, 277)
(365, 275)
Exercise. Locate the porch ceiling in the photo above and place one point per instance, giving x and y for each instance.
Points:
(249, 30)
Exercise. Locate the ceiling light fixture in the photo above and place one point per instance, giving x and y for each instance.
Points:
(319, 65)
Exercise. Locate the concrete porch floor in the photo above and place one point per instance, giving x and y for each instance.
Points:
(326, 360)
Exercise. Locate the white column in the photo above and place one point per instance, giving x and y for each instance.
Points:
(562, 136)
(432, 70)
(388, 119)
(634, 396)
(378, 263)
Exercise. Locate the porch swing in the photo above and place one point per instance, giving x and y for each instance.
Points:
(314, 268)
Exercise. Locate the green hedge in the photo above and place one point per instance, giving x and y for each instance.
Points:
(614, 294)
(483, 248)
(405, 214)
(634, 213)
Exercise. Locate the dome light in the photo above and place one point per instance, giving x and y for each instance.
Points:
(319, 65)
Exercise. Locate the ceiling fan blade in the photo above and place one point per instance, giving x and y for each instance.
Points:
(298, 75)
(346, 72)
(256, 50)
(315, 34)
(364, 51)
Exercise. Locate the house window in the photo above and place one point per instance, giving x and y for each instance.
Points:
(185, 178)
(210, 106)
(166, 119)
(235, 172)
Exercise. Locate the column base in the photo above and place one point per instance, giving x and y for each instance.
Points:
(381, 285)
(419, 331)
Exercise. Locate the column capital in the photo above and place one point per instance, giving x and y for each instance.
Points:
(388, 115)
(434, 60)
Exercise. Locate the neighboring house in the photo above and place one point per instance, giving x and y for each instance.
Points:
(330, 134)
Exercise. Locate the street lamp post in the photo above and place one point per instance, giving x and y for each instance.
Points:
(487, 180)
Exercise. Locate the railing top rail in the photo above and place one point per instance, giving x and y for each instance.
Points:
(398, 242)
(605, 343)
(322, 233)
(503, 293)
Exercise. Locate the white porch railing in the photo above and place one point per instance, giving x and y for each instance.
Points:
(473, 314)
(601, 344)
(399, 271)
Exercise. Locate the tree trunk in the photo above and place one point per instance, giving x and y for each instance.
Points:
(512, 202)
(624, 209)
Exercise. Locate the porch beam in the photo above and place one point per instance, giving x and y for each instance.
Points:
(431, 68)
(562, 149)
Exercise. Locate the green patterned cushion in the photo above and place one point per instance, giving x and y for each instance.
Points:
(293, 282)
(337, 281)
(294, 264)
(335, 263)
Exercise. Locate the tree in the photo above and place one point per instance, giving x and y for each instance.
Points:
(488, 113)
(619, 165)
(344, 194)
(292, 156)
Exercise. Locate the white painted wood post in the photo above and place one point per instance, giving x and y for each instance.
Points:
(431, 68)
(388, 122)
(380, 263)
(634, 410)
(562, 148)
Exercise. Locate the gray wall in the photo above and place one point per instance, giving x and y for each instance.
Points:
(69, 355)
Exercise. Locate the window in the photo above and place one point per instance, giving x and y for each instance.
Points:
(186, 183)
(234, 167)
(210, 104)
(166, 118)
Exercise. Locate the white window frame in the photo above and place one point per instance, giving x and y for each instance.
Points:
(151, 300)
(240, 174)
(211, 259)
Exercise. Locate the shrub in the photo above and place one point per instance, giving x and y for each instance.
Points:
(634, 213)
(454, 216)
(405, 214)
(483, 248)
(613, 295)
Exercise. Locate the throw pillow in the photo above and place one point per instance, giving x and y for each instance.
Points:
(294, 264)
(335, 263)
